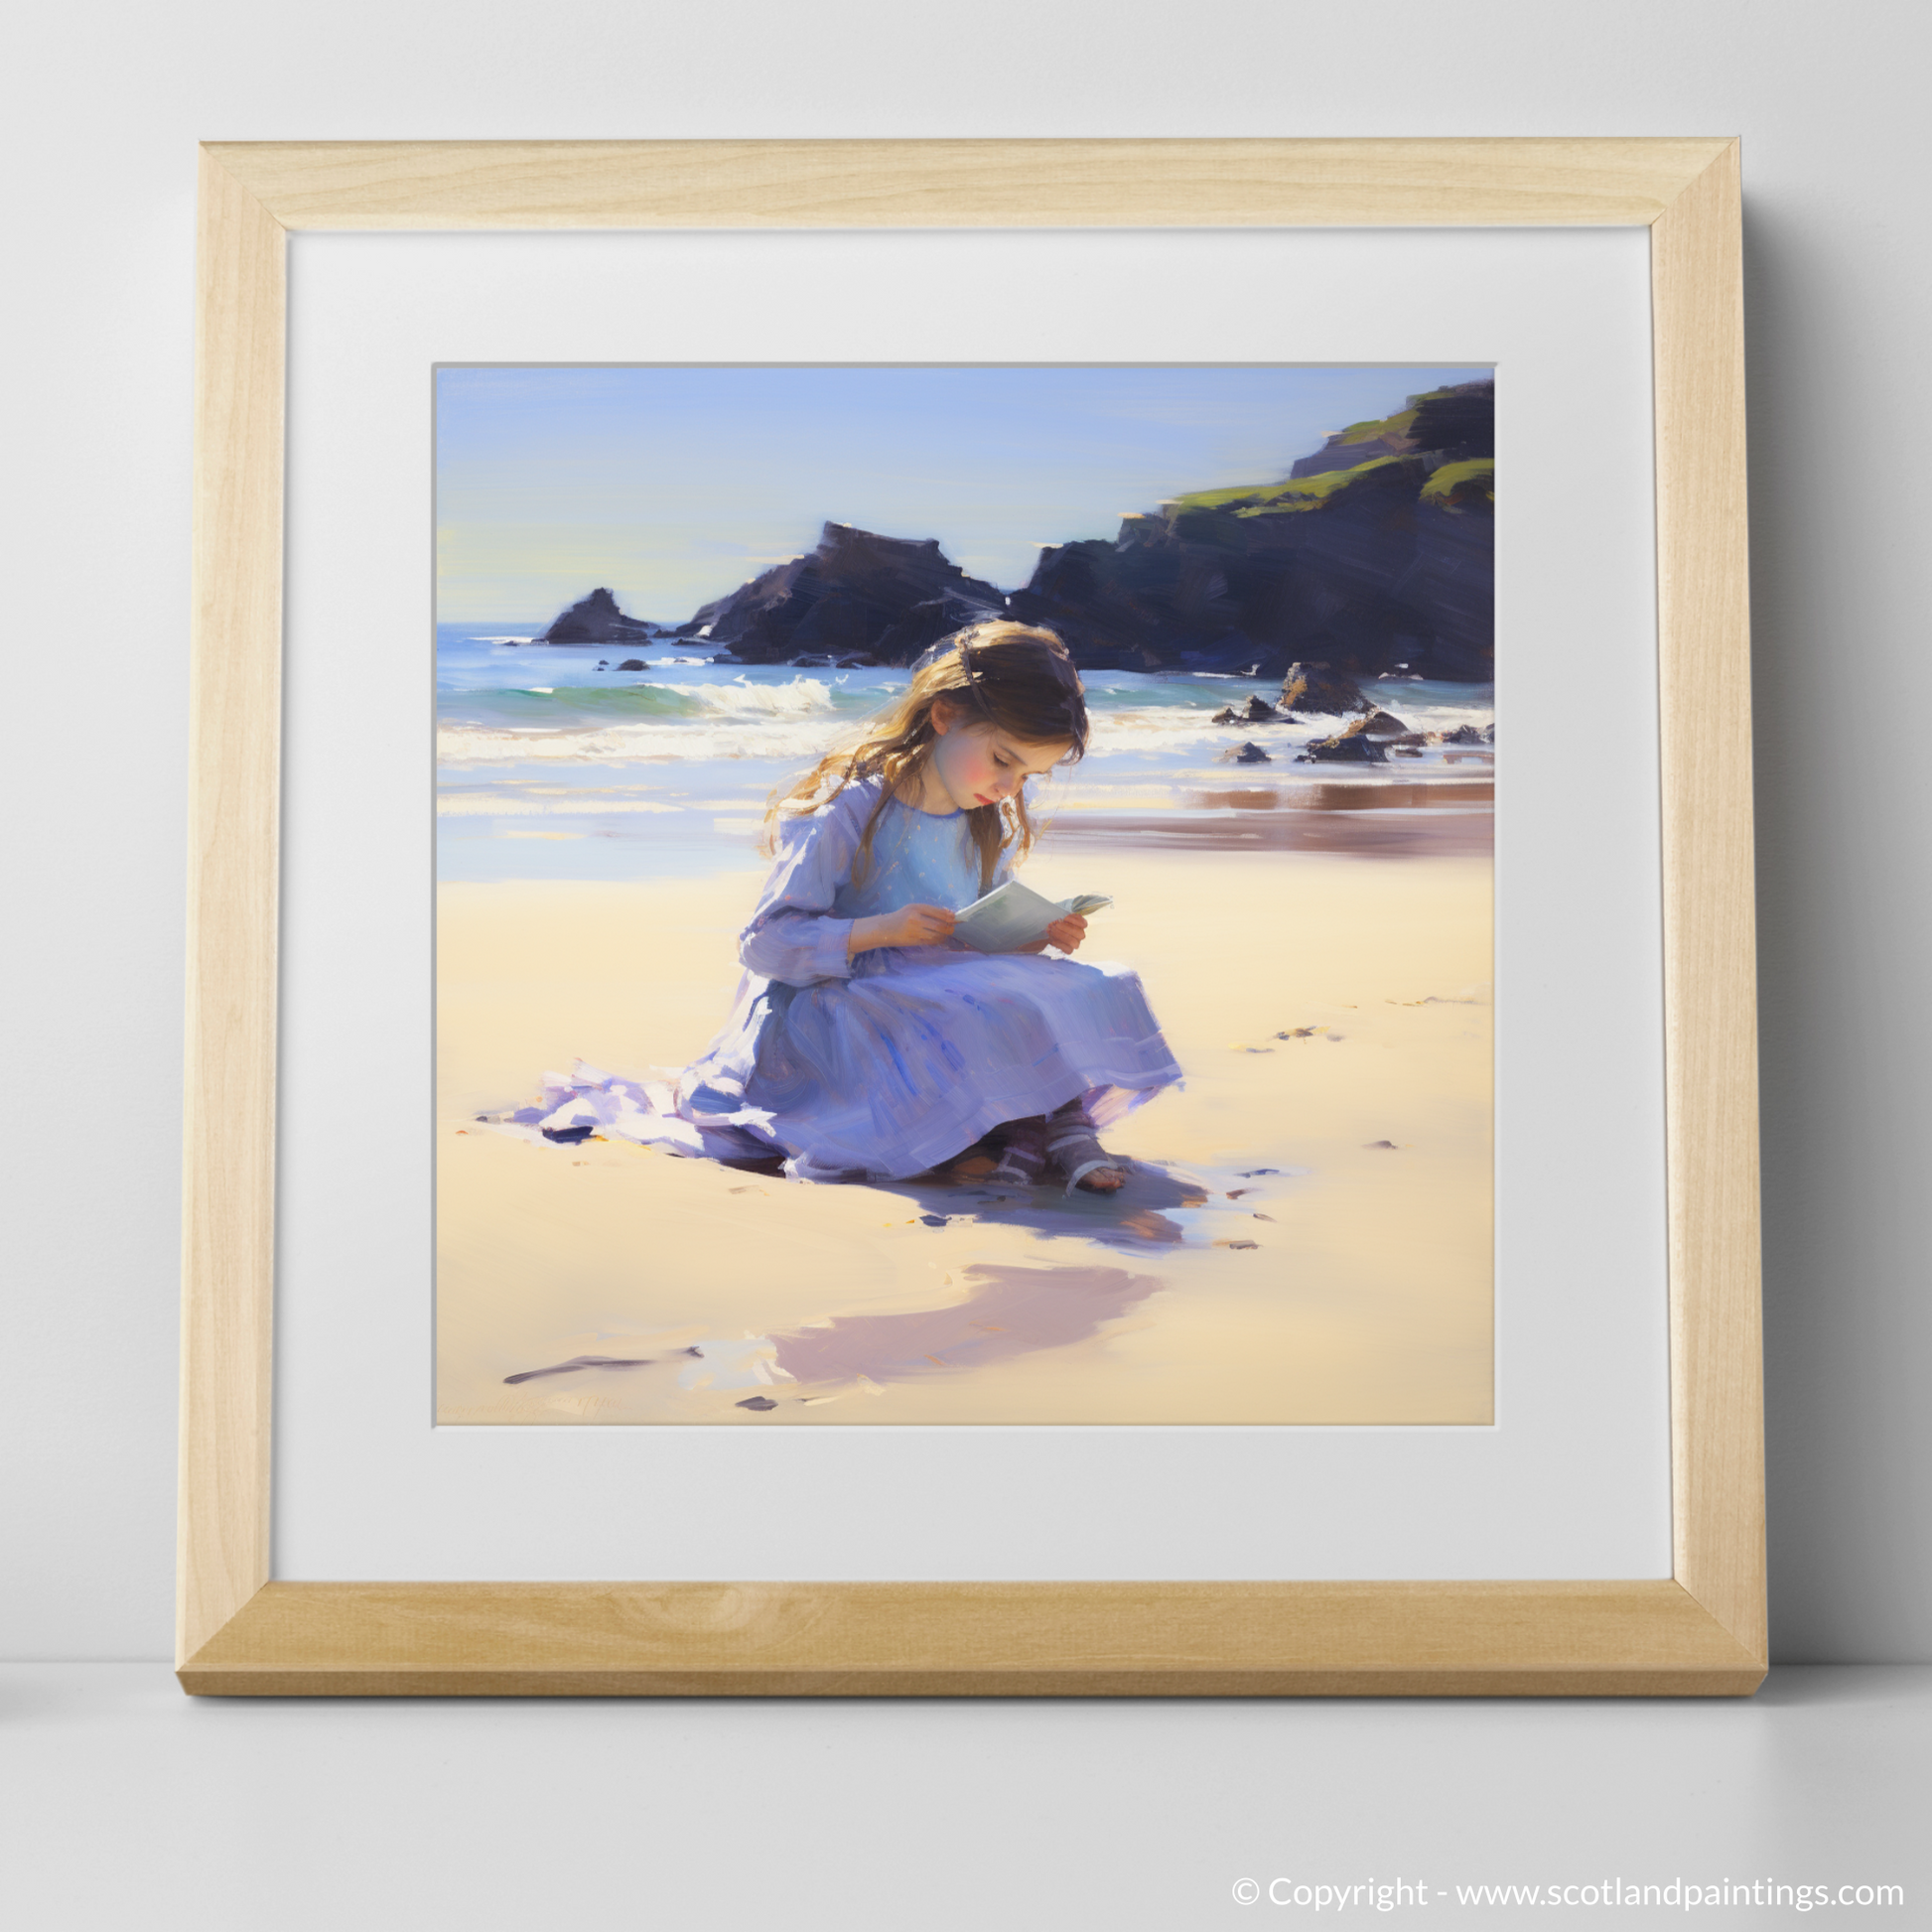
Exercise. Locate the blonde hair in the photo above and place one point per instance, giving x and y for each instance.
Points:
(1012, 677)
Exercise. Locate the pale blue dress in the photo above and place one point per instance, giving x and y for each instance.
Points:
(892, 1063)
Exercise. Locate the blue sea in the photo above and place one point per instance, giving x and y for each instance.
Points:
(553, 762)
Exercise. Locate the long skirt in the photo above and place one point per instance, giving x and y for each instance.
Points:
(891, 1072)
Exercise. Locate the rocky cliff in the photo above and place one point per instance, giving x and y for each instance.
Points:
(1365, 562)
(856, 595)
(1374, 554)
(596, 620)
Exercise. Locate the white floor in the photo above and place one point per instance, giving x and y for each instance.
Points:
(124, 1804)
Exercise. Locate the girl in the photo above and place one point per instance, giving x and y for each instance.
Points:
(867, 1043)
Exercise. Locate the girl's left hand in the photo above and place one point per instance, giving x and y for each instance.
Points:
(1067, 933)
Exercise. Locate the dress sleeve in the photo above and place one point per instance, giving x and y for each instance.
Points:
(792, 936)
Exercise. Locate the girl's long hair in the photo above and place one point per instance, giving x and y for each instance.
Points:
(1014, 677)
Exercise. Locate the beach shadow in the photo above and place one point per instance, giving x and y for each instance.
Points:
(1011, 1311)
(1137, 1215)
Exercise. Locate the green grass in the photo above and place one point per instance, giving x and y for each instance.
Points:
(1396, 425)
(1462, 482)
(1277, 500)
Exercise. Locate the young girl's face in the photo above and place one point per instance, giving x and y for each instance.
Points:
(980, 764)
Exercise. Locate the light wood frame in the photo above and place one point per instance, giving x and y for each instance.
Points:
(1701, 1632)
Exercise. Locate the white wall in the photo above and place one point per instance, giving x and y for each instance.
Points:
(107, 102)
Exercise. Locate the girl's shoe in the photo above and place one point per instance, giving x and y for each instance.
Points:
(1022, 1152)
(1074, 1149)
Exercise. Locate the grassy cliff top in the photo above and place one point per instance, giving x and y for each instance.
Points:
(1451, 485)
(1456, 483)
(1275, 499)
(1390, 427)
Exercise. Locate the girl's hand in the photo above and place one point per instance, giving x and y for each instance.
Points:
(1067, 933)
(910, 925)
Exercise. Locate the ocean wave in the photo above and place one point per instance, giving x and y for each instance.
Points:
(562, 706)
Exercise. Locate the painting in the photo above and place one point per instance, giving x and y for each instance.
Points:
(964, 894)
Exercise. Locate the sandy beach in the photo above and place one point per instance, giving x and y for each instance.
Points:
(1306, 1238)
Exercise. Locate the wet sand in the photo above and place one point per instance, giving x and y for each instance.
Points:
(1307, 1237)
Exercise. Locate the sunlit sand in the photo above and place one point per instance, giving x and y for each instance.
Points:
(1305, 1238)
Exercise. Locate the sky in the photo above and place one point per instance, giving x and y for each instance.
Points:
(674, 486)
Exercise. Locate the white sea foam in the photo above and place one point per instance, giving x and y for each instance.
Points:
(741, 698)
(459, 744)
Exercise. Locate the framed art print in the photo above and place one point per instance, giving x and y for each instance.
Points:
(1285, 877)
(996, 965)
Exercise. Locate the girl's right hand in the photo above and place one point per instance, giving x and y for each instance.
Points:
(917, 926)
(910, 925)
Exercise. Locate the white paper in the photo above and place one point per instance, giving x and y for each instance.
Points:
(1572, 1480)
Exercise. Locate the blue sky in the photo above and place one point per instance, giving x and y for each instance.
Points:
(672, 485)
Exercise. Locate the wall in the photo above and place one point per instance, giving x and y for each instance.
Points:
(107, 105)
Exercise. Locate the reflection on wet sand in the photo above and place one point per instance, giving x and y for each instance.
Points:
(1373, 816)
(1011, 1311)
(1359, 830)
(1335, 797)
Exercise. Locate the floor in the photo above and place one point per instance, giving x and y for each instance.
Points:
(129, 1805)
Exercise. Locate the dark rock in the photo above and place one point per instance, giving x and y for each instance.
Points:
(1246, 754)
(1257, 711)
(933, 1221)
(1382, 725)
(1465, 735)
(758, 1402)
(1490, 732)
(1346, 748)
(632, 664)
(1459, 423)
(856, 595)
(595, 619)
(925, 623)
(568, 1136)
(1315, 687)
(1368, 578)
